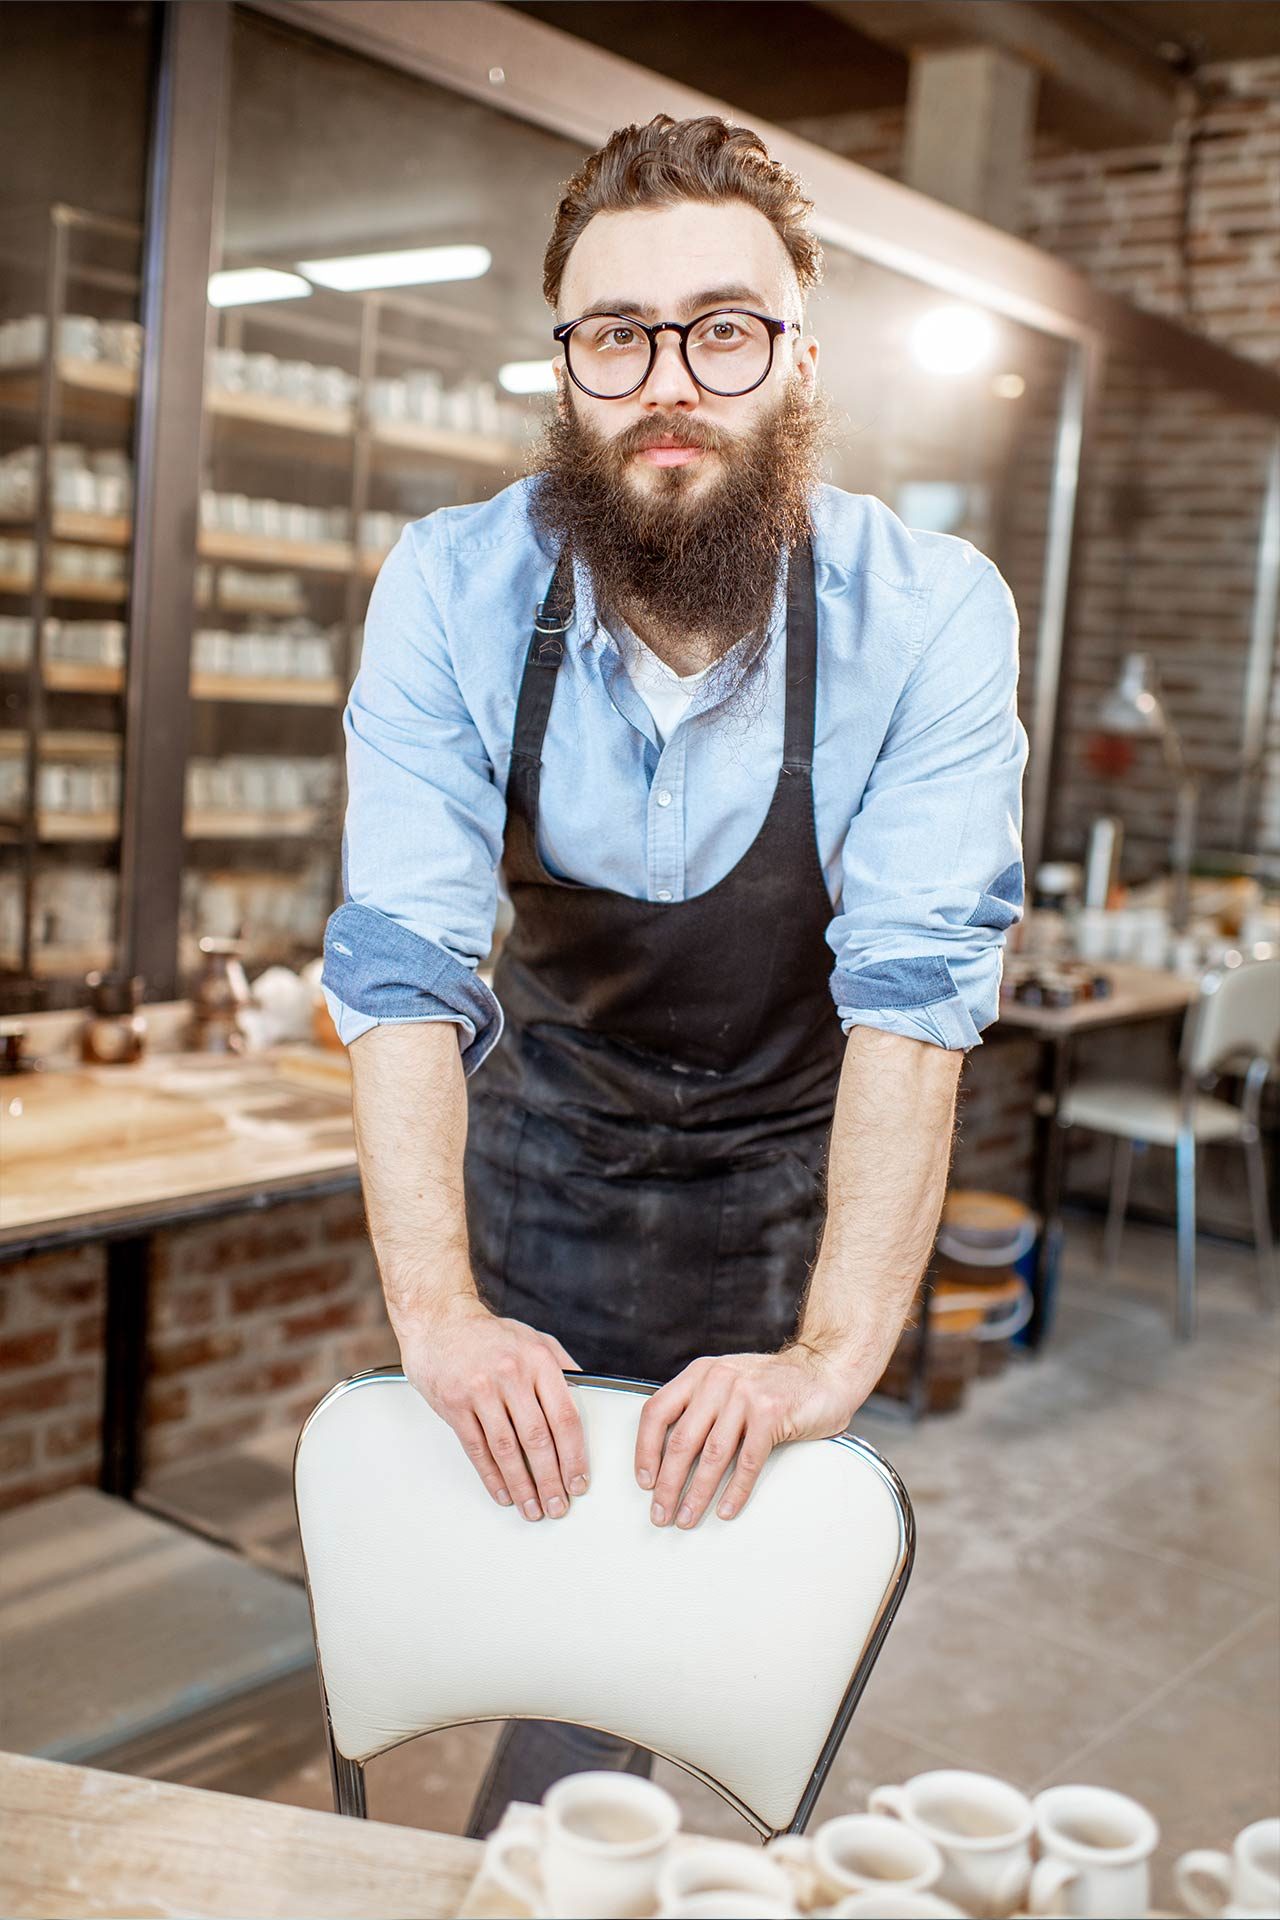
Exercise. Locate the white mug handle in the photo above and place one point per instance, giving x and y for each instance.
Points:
(524, 1834)
(1048, 1878)
(888, 1800)
(1204, 1864)
(794, 1853)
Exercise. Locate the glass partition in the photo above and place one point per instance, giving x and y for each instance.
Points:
(337, 408)
(71, 204)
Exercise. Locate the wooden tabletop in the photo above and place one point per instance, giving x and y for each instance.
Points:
(1137, 993)
(87, 1149)
(79, 1841)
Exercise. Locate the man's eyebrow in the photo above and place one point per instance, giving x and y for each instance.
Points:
(695, 303)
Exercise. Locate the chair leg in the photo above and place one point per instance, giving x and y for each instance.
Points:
(1185, 1316)
(348, 1785)
(1261, 1221)
(1121, 1168)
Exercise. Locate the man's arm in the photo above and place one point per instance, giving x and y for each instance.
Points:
(887, 1174)
(497, 1382)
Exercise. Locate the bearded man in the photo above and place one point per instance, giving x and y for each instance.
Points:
(747, 749)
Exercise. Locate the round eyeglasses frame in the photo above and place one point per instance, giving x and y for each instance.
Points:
(776, 328)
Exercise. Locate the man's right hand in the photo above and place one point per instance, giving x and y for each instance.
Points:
(500, 1385)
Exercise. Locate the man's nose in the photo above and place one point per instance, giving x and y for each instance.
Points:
(670, 383)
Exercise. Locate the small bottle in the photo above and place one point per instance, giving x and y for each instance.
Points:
(115, 1033)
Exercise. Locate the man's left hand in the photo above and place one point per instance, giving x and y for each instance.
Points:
(745, 1404)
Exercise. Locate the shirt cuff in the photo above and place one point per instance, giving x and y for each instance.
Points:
(377, 972)
(915, 996)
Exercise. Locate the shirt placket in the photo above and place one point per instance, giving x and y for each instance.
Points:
(666, 820)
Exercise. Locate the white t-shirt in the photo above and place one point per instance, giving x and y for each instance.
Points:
(667, 694)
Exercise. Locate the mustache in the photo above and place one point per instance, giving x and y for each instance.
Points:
(669, 430)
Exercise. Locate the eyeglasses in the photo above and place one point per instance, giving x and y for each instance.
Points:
(727, 352)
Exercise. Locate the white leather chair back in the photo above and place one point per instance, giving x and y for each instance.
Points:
(1238, 1012)
(737, 1650)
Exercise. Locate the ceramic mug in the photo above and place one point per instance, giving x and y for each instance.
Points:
(891, 1905)
(725, 1870)
(858, 1853)
(1245, 1881)
(727, 1904)
(980, 1825)
(596, 1845)
(1094, 1848)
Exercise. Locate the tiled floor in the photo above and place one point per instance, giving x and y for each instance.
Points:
(1095, 1595)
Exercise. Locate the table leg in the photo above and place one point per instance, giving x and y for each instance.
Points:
(125, 1343)
(1046, 1179)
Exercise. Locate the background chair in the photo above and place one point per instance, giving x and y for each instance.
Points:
(1234, 1020)
(738, 1650)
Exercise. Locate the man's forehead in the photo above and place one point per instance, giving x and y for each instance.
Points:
(649, 260)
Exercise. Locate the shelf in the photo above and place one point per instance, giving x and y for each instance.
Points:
(49, 963)
(65, 743)
(97, 388)
(86, 529)
(252, 826)
(275, 414)
(371, 562)
(406, 439)
(106, 593)
(284, 693)
(82, 676)
(319, 556)
(54, 826)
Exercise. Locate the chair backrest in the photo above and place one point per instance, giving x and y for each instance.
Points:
(737, 1650)
(1238, 1012)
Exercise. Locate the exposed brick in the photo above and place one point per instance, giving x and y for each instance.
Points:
(42, 1485)
(282, 1289)
(193, 1440)
(199, 1350)
(63, 1438)
(86, 1334)
(17, 1451)
(305, 1326)
(269, 1376)
(43, 1391)
(198, 1251)
(29, 1349)
(165, 1404)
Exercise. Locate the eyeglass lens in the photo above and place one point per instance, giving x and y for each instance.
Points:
(609, 354)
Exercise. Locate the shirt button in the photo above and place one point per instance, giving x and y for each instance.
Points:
(663, 798)
(664, 893)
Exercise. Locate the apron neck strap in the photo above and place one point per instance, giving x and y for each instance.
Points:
(802, 660)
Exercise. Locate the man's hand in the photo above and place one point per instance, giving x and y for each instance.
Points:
(745, 1404)
(500, 1385)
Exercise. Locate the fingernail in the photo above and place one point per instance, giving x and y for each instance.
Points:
(658, 1515)
(645, 1477)
(502, 1497)
(685, 1517)
(726, 1510)
(578, 1484)
(556, 1507)
(532, 1511)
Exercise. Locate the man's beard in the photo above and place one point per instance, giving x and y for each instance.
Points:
(693, 567)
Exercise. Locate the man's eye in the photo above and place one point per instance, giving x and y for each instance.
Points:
(620, 337)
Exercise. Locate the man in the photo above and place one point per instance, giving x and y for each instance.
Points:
(724, 727)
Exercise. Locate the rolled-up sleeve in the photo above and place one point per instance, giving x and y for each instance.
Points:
(424, 823)
(932, 864)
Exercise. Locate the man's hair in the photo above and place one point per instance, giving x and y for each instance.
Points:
(667, 161)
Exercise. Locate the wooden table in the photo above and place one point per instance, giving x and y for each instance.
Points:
(78, 1841)
(1137, 993)
(117, 1153)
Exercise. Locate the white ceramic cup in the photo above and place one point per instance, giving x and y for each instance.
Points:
(596, 1845)
(723, 1868)
(1094, 1849)
(857, 1853)
(890, 1905)
(1245, 1881)
(980, 1825)
(728, 1903)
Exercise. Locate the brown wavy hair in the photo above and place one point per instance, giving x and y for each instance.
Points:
(668, 160)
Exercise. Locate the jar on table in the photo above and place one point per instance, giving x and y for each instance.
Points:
(115, 1033)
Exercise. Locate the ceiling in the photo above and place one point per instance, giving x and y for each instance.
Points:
(850, 56)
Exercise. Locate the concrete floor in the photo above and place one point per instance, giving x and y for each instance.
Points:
(1096, 1594)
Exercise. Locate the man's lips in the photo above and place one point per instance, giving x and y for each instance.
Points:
(669, 454)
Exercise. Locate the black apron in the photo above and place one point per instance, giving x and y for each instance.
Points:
(646, 1143)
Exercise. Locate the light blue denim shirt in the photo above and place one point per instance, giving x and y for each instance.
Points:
(918, 760)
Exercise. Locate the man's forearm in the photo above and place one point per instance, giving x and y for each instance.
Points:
(409, 1099)
(887, 1177)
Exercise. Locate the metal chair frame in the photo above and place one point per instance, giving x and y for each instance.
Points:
(349, 1794)
(1257, 1070)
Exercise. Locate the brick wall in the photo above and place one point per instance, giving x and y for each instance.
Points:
(252, 1320)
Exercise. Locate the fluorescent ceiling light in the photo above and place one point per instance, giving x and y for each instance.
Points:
(528, 376)
(411, 267)
(243, 286)
(953, 339)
